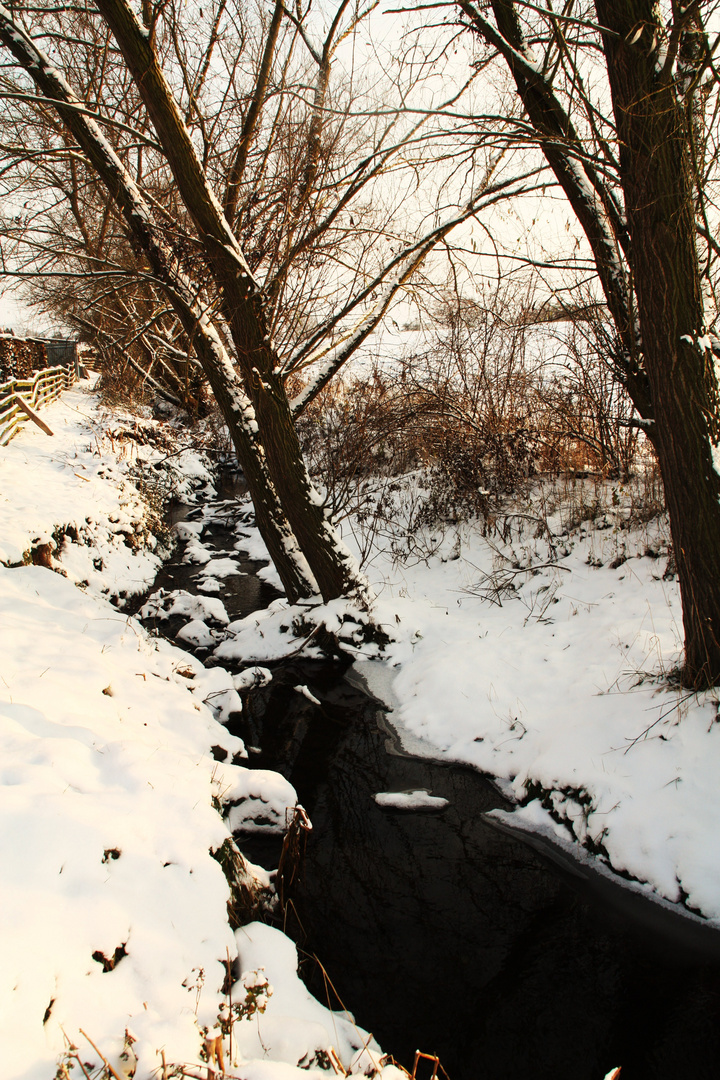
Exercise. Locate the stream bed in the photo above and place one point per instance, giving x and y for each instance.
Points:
(437, 928)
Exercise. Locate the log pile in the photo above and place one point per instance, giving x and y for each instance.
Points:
(20, 358)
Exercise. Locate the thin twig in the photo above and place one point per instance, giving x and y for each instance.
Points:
(102, 1057)
(230, 1034)
(663, 715)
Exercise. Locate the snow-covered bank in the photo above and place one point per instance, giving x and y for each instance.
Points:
(554, 680)
(96, 488)
(542, 654)
(114, 908)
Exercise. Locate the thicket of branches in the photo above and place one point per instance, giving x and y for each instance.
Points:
(312, 164)
(209, 160)
(486, 404)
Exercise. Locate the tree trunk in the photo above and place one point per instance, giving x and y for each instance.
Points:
(579, 178)
(658, 182)
(332, 565)
(237, 409)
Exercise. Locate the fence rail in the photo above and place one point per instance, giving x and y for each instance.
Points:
(45, 386)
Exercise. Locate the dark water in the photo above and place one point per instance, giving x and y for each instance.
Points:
(242, 593)
(441, 931)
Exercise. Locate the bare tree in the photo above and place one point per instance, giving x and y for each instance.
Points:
(185, 194)
(616, 97)
(138, 214)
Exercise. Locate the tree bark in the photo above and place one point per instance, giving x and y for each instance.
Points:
(658, 182)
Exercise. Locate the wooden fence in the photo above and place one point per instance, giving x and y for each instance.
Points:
(17, 394)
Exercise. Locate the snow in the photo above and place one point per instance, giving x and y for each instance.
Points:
(162, 605)
(215, 687)
(410, 800)
(114, 909)
(553, 678)
(197, 634)
(541, 656)
(307, 694)
(221, 568)
(104, 751)
(251, 677)
(294, 1026)
(256, 800)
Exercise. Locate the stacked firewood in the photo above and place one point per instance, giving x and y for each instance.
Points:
(19, 358)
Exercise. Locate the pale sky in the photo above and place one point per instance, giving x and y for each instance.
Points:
(12, 312)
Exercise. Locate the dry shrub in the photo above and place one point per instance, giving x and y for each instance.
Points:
(131, 378)
(474, 400)
(121, 385)
(590, 425)
(486, 408)
(460, 408)
(355, 432)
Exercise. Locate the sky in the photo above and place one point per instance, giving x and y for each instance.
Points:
(13, 312)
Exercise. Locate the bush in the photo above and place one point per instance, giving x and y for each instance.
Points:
(487, 405)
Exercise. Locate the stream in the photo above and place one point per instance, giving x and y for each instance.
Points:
(440, 929)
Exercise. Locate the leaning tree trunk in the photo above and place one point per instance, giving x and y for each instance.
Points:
(237, 409)
(332, 565)
(656, 165)
(579, 176)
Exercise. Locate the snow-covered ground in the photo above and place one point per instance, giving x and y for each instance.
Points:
(114, 937)
(556, 678)
(543, 654)
(540, 654)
